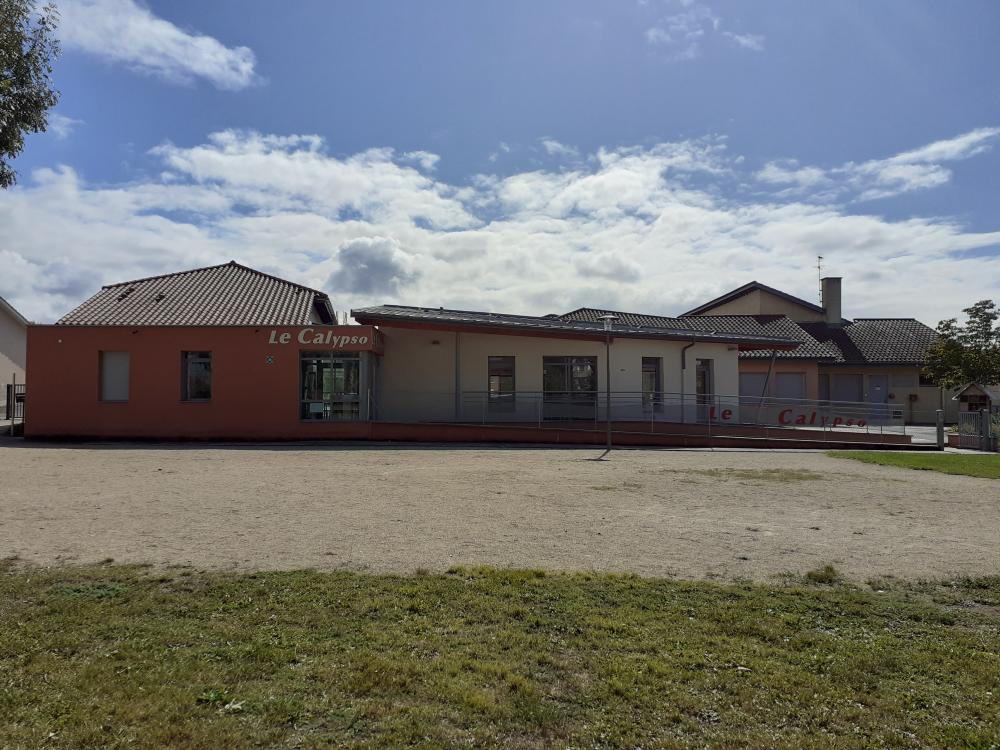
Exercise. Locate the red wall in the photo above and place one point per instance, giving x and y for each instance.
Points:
(251, 398)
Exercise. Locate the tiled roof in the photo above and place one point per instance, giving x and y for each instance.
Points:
(890, 341)
(753, 286)
(388, 314)
(774, 326)
(224, 295)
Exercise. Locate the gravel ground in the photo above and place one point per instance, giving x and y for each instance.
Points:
(691, 514)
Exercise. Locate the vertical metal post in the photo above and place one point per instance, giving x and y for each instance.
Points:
(940, 429)
(608, 319)
(985, 441)
(607, 379)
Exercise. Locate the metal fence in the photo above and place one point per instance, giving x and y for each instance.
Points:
(636, 411)
(14, 398)
(979, 430)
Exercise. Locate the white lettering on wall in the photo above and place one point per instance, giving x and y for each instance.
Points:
(312, 337)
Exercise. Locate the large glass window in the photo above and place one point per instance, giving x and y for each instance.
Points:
(501, 383)
(196, 376)
(114, 376)
(570, 387)
(752, 384)
(330, 386)
(790, 385)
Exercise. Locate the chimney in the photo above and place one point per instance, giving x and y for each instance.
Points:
(831, 300)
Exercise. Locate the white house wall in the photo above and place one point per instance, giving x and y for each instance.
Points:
(418, 376)
(12, 352)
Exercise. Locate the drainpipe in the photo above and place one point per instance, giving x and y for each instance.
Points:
(683, 368)
(458, 377)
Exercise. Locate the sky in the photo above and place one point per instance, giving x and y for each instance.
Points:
(529, 156)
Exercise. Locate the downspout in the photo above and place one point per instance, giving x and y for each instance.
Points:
(683, 368)
(458, 377)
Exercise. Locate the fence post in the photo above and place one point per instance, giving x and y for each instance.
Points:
(940, 429)
(985, 442)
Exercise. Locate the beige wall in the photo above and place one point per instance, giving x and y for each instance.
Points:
(12, 351)
(808, 368)
(762, 303)
(903, 381)
(417, 376)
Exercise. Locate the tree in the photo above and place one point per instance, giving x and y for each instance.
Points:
(27, 48)
(967, 353)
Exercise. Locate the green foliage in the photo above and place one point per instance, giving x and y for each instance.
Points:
(985, 465)
(27, 48)
(967, 353)
(486, 658)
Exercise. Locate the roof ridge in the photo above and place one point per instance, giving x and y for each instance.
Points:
(749, 287)
(231, 263)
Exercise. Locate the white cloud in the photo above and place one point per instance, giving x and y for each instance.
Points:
(918, 169)
(61, 126)
(753, 42)
(654, 229)
(790, 173)
(122, 31)
(680, 34)
(555, 148)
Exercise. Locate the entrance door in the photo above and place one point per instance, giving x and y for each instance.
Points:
(878, 393)
(704, 387)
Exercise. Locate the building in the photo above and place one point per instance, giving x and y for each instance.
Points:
(872, 360)
(230, 352)
(976, 397)
(13, 338)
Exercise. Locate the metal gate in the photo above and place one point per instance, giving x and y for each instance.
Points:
(14, 396)
(978, 430)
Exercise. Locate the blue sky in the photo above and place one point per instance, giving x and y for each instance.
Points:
(523, 156)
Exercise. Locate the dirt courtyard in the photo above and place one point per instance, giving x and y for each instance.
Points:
(690, 514)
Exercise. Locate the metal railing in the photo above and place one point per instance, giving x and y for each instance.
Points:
(637, 411)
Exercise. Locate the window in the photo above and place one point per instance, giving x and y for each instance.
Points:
(824, 386)
(114, 376)
(570, 387)
(652, 382)
(752, 384)
(846, 388)
(330, 386)
(196, 376)
(926, 381)
(790, 385)
(501, 383)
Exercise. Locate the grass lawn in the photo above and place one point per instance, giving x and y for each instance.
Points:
(986, 465)
(112, 656)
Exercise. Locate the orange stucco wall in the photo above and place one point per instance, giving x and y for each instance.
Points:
(251, 397)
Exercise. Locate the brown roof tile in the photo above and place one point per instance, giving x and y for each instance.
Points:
(225, 295)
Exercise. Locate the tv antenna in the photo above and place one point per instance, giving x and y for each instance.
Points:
(819, 276)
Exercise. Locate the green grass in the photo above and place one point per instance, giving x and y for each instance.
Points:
(117, 657)
(986, 465)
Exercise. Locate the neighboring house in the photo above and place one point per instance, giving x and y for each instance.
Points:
(875, 360)
(13, 335)
(978, 396)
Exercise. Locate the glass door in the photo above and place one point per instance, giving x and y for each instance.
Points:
(570, 387)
